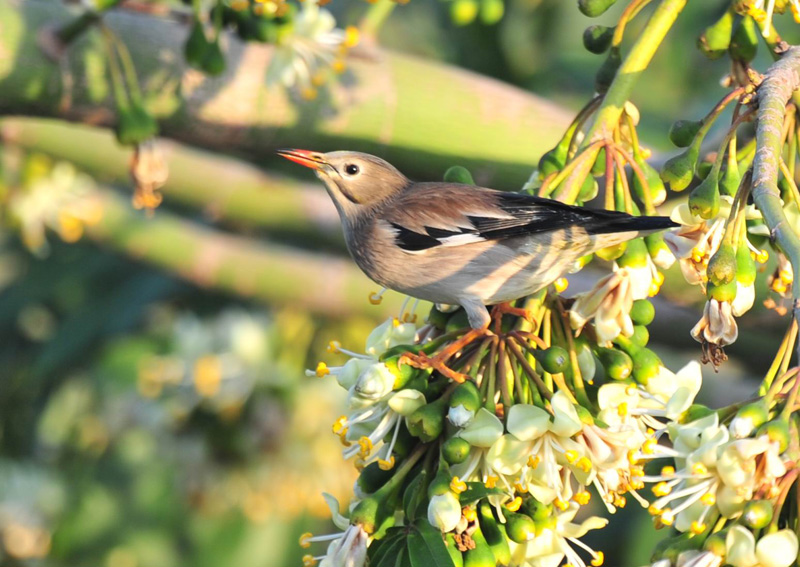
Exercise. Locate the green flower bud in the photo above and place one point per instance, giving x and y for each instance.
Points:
(618, 365)
(703, 169)
(194, 49)
(722, 265)
(135, 125)
(635, 255)
(492, 11)
(372, 477)
(658, 193)
(372, 511)
(776, 430)
(438, 318)
(455, 450)
(744, 43)
(729, 183)
(716, 38)
(724, 292)
(463, 12)
(597, 39)
(594, 8)
(608, 70)
(641, 336)
(716, 544)
(588, 190)
(440, 483)
(444, 511)
(427, 422)
(403, 373)
(213, 62)
(659, 251)
(466, 394)
(458, 174)
(642, 312)
(452, 548)
(458, 320)
(537, 510)
(584, 415)
(555, 159)
(682, 132)
(520, 527)
(494, 533)
(646, 364)
(553, 360)
(612, 252)
(704, 199)
(745, 266)
(695, 412)
(481, 555)
(757, 514)
(679, 170)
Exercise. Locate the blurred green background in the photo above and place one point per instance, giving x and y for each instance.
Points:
(154, 410)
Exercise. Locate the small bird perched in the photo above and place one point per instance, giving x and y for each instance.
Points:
(451, 243)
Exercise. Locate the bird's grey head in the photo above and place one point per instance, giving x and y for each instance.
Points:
(355, 181)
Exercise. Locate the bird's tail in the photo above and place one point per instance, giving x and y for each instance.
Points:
(621, 222)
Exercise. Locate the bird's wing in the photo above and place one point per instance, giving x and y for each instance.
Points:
(437, 214)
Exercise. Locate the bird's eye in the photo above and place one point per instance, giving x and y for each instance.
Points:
(351, 169)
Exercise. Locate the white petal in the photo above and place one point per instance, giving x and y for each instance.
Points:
(566, 422)
(405, 402)
(484, 429)
(527, 422)
(778, 549)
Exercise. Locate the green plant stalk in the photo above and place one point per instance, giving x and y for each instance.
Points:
(780, 81)
(375, 17)
(72, 30)
(608, 115)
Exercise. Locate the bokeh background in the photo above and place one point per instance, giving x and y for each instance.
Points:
(154, 410)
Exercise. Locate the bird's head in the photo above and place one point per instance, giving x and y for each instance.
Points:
(353, 179)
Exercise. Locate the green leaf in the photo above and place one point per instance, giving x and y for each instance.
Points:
(426, 547)
(383, 552)
(475, 491)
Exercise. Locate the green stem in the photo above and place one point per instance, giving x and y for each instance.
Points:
(72, 30)
(780, 81)
(375, 17)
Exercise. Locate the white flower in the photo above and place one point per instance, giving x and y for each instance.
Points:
(444, 511)
(347, 548)
(717, 326)
(778, 549)
(483, 430)
(609, 303)
(460, 416)
(389, 334)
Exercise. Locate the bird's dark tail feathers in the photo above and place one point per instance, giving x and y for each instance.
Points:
(621, 222)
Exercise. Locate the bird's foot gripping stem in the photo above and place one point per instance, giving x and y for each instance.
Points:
(439, 360)
(506, 308)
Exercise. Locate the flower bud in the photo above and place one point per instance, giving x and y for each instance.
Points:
(608, 70)
(642, 312)
(618, 365)
(427, 422)
(640, 336)
(646, 364)
(778, 549)
(463, 12)
(213, 62)
(659, 251)
(374, 382)
(716, 38)
(555, 159)
(704, 199)
(372, 477)
(658, 193)
(403, 373)
(538, 511)
(594, 8)
(455, 450)
(716, 544)
(597, 38)
(757, 514)
(679, 170)
(721, 268)
(744, 43)
(458, 174)
(444, 511)
(722, 293)
(406, 402)
(729, 183)
(553, 360)
(588, 190)
(748, 418)
(776, 430)
(682, 132)
(520, 527)
(745, 266)
(610, 253)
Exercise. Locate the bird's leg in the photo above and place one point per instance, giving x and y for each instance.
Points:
(506, 308)
(479, 321)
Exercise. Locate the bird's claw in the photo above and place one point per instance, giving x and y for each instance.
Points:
(506, 308)
(423, 361)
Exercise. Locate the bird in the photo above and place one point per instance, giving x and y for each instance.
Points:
(459, 244)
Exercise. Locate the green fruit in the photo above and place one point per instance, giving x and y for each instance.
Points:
(656, 245)
(455, 450)
(744, 43)
(682, 132)
(492, 11)
(757, 514)
(597, 39)
(722, 265)
(458, 174)
(594, 8)
(704, 199)
(641, 335)
(658, 192)
(481, 555)
(371, 512)
(466, 394)
(213, 63)
(457, 321)
(642, 312)
(463, 12)
(554, 359)
(494, 533)
(646, 364)
(520, 527)
(373, 477)
(194, 50)
(610, 253)
(716, 38)
(635, 255)
(618, 365)
(537, 510)
(678, 171)
(776, 430)
(608, 70)
(427, 422)
(724, 292)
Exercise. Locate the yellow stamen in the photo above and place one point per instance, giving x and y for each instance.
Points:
(409, 318)
(622, 409)
(571, 456)
(708, 499)
(533, 461)
(514, 504)
(351, 36)
(697, 255)
(786, 276)
(386, 465)
(654, 510)
(584, 464)
(668, 471)
(561, 284)
(322, 370)
(339, 424)
(366, 447)
(582, 497)
(667, 517)
(699, 469)
(521, 488)
(309, 561)
(375, 298)
(697, 528)
(305, 538)
(632, 457)
(309, 93)
(343, 437)
(338, 66)
(648, 445)
(457, 485)
(469, 514)
(620, 501)
(560, 504)
(598, 560)
(762, 256)
(491, 481)
(661, 489)
(334, 347)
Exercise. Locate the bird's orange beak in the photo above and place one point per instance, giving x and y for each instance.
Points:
(314, 160)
